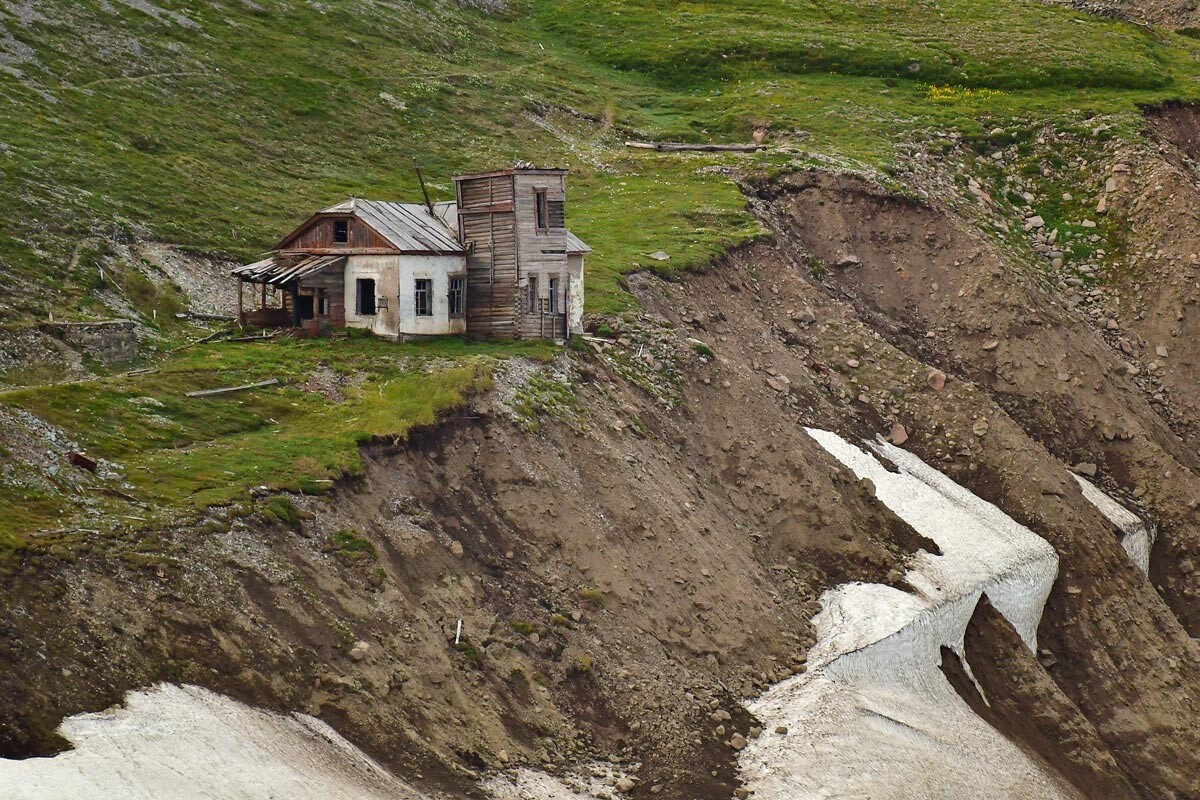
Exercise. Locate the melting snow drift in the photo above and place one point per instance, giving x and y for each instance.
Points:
(1137, 535)
(186, 743)
(874, 716)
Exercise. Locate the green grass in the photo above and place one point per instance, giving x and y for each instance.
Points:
(222, 136)
(182, 455)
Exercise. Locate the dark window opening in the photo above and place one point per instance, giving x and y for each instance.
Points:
(554, 295)
(341, 231)
(543, 213)
(458, 291)
(423, 306)
(365, 302)
(322, 303)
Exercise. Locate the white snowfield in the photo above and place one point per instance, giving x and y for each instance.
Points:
(874, 716)
(186, 743)
(1137, 535)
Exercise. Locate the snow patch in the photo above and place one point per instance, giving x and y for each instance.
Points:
(1137, 535)
(186, 743)
(528, 784)
(874, 716)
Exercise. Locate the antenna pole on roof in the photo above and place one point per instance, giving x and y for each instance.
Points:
(424, 191)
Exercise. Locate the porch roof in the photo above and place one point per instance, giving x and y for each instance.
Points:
(276, 271)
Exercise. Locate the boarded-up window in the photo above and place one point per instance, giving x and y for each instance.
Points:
(458, 292)
(543, 211)
(365, 302)
(554, 295)
(422, 300)
(531, 296)
(341, 231)
(556, 214)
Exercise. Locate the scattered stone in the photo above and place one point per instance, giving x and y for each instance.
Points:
(991, 345)
(805, 316)
(720, 715)
(980, 428)
(1085, 468)
(625, 785)
(1087, 223)
(781, 730)
(852, 363)
(456, 549)
(660, 256)
(1034, 222)
(848, 261)
(360, 649)
(737, 741)
(502, 756)
(898, 435)
(1161, 351)
(936, 380)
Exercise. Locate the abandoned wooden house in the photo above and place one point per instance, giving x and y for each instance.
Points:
(498, 262)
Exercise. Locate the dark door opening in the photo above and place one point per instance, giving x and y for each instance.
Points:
(366, 297)
(304, 303)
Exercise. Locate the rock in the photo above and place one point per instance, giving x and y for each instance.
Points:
(502, 756)
(980, 427)
(456, 548)
(936, 380)
(805, 316)
(1161, 351)
(1111, 324)
(852, 363)
(625, 785)
(848, 261)
(868, 487)
(720, 715)
(1102, 205)
(737, 741)
(1087, 223)
(535, 637)
(660, 256)
(898, 435)
(777, 384)
(781, 730)
(1085, 468)
(1034, 222)
(991, 345)
(1110, 185)
(359, 651)
(741, 793)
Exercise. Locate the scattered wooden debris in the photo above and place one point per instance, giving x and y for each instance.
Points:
(674, 147)
(228, 389)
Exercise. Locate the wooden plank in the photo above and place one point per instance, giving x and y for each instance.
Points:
(677, 147)
(228, 389)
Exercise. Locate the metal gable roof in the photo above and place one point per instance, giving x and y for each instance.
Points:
(406, 226)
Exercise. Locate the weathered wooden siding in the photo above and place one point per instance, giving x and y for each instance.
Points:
(485, 208)
(332, 280)
(318, 237)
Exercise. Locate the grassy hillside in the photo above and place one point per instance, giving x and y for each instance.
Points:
(214, 127)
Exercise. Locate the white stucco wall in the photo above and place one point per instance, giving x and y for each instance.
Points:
(575, 304)
(395, 280)
(439, 269)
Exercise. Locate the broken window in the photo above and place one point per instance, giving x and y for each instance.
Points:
(543, 213)
(531, 296)
(341, 231)
(458, 291)
(554, 296)
(423, 306)
(366, 297)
